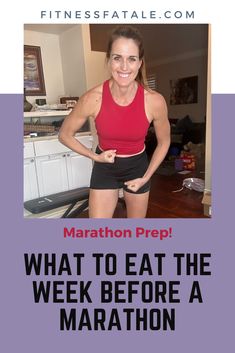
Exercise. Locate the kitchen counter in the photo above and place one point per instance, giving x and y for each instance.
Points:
(45, 113)
(46, 124)
(52, 137)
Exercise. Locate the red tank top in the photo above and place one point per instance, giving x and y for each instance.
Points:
(122, 128)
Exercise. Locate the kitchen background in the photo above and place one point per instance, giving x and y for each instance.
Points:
(73, 60)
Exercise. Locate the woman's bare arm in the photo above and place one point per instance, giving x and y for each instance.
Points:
(162, 130)
(157, 110)
(87, 106)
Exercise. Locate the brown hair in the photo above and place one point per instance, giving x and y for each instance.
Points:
(129, 32)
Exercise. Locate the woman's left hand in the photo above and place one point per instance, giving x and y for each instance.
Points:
(135, 184)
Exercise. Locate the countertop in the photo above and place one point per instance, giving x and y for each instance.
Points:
(42, 113)
(52, 137)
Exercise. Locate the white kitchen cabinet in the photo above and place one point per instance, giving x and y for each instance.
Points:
(50, 167)
(30, 180)
(79, 170)
(29, 150)
(30, 176)
(52, 174)
(61, 172)
(49, 147)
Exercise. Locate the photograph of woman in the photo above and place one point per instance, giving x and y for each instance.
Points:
(122, 108)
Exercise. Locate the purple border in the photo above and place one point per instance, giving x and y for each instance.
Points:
(206, 327)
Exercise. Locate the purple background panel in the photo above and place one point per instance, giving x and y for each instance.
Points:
(29, 327)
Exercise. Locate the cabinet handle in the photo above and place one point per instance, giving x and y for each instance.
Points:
(64, 155)
(68, 154)
(32, 160)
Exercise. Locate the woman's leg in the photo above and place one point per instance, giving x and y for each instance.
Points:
(136, 204)
(102, 203)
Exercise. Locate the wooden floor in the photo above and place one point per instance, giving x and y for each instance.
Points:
(164, 203)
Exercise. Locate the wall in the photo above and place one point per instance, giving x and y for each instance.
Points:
(190, 64)
(63, 63)
(51, 61)
(74, 73)
(95, 67)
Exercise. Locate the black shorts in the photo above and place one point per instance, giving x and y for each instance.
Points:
(113, 175)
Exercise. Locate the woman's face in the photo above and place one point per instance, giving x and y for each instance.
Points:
(124, 61)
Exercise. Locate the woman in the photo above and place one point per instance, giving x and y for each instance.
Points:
(122, 109)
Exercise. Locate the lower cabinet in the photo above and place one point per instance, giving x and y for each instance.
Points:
(30, 180)
(52, 174)
(48, 172)
(79, 170)
(61, 172)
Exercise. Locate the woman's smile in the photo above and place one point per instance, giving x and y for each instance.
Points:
(123, 75)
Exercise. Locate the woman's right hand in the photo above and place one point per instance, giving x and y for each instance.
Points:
(106, 156)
